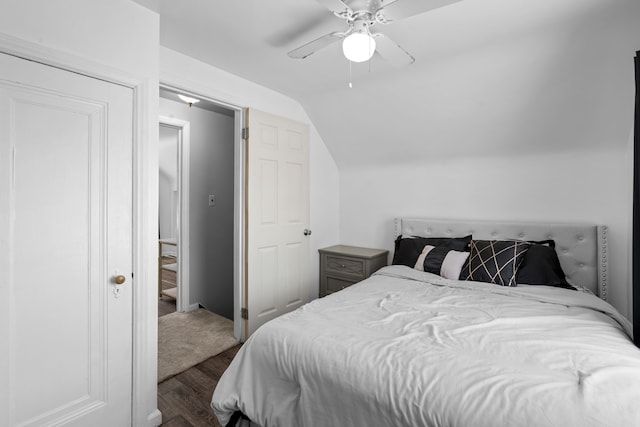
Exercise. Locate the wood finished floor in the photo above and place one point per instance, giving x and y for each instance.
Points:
(166, 304)
(185, 398)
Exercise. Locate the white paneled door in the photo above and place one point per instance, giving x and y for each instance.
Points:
(65, 248)
(277, 217)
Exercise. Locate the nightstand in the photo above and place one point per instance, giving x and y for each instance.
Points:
(342, 266)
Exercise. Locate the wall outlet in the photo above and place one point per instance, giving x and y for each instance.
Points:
(212, 200)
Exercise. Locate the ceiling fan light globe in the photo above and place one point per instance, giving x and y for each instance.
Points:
(358, 47)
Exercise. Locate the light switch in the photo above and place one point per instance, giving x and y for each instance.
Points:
(212, 200)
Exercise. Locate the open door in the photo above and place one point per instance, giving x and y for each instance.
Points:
(277, 260)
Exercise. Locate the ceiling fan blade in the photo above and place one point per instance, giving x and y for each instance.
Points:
(392, 52)
(335, 6)
(315, 45)
(400, 9)
(300, 29)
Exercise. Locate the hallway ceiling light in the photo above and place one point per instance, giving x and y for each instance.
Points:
(188, 99)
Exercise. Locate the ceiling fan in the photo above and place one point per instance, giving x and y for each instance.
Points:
(359, 44)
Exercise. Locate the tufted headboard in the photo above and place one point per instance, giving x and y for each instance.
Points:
(581, 248)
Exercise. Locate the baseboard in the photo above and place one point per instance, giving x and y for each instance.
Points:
(192, 307)
(155, 418)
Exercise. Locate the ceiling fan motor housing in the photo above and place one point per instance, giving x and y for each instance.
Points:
(361, 26)
(362, 10)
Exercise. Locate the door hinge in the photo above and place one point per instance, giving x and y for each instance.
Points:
(245, 133)
(244, 313)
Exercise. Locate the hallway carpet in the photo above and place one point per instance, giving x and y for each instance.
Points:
(186, 339)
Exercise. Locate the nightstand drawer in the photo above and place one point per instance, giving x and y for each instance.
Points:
(334, 284)
(341, 266)
(353, 267)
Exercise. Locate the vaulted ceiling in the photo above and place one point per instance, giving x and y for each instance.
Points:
(491, 77)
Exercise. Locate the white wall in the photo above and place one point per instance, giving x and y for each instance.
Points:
(117, 33)
(588, 186)
(210, 228)
(324, 180)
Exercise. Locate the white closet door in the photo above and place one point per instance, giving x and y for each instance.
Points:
(65, 235)
(278, 214)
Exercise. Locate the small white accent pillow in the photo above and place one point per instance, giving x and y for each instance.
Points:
(452, 264)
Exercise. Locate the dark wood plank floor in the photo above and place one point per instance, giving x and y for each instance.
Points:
(166, 304)
(185, 399)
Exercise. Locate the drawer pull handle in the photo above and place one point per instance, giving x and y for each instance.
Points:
(343, 266)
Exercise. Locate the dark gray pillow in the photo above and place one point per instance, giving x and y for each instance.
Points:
(494, 261)
(541, 266)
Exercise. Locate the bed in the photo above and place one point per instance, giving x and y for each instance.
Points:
(413, 347)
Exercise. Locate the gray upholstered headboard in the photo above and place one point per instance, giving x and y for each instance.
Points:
(581, 248)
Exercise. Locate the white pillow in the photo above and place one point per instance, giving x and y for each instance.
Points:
(452, 264)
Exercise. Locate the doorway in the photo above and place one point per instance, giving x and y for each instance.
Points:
(199, 179)
(169, 100)
(199, 166)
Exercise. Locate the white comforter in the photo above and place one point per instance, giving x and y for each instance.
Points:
(407, 348)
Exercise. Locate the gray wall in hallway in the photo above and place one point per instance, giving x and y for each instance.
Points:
(211, 228)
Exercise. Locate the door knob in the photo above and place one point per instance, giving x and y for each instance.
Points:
(120, 279)
(307, 232)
